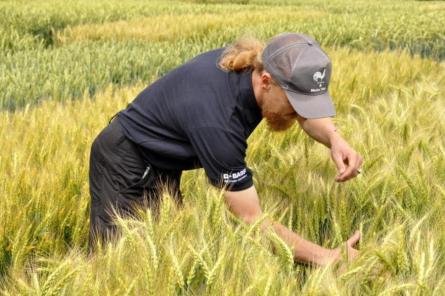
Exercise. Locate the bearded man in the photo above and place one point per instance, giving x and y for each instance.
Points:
(199, 115)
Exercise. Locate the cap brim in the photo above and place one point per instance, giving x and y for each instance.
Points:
(311, 106)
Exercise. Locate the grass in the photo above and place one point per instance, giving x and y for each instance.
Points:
(68, 52)
(394, 118)
(64, 73)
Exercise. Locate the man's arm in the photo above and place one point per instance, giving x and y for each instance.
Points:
(323, 130)
(245, 205)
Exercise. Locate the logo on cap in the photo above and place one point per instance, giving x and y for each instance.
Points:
(318, 77)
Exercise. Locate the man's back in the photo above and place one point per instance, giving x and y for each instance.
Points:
(197, 115)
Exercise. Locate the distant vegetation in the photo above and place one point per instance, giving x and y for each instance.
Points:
(72, 49)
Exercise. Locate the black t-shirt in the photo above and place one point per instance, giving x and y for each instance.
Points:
(197, 115)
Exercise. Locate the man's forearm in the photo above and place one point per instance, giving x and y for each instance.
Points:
(245, 205)
(322, 130)
(303, 250)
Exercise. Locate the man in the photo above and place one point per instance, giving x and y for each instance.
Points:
(200, 115)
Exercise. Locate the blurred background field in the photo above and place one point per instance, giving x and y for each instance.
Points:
(67, 66)
(68, 47)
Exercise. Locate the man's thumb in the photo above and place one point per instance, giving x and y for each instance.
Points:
(354, 239)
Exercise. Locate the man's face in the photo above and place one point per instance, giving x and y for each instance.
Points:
(277, 110)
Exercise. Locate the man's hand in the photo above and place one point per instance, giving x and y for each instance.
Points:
(350, 255)
(351, 252)
(347, 160)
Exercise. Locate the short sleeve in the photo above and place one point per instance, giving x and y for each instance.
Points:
(221, 154)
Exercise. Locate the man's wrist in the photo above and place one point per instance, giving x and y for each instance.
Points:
(333, 136)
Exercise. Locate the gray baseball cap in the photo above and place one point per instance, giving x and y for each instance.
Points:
(299, 65)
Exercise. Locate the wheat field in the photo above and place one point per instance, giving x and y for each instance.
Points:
(67, 66)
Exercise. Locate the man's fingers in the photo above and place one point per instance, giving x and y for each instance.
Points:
(354, 164)
(352, 168)
(354, 239)
(347, 161)
(339, 163)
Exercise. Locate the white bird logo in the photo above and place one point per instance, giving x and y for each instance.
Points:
(318, 76)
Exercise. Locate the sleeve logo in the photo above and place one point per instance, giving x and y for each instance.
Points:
(235, 176)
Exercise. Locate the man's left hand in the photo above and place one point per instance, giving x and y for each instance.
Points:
(347, 160)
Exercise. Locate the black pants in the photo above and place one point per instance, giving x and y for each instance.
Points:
(121, 181)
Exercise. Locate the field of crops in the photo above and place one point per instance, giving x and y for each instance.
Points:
(67, 66)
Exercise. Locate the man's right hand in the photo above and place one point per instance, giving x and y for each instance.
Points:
(351, 252)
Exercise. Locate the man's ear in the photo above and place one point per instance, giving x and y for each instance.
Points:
(266, 80)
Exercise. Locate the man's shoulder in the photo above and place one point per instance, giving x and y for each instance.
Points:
(206, 59)
(216, 52)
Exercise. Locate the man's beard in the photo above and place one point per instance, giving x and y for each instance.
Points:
(277, 122)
